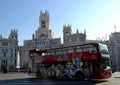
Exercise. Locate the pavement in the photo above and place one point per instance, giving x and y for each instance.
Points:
(116, 75)
(14, 75)
(21, 78)
(21, 75)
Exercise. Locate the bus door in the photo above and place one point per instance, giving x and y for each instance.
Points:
(94, 70)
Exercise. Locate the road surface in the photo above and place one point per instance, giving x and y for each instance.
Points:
(24, 79)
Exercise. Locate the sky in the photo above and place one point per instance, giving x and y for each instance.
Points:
(98, 17)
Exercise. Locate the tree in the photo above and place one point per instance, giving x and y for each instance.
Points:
(5, 69)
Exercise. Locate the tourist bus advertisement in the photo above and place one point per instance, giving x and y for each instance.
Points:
(86, 61)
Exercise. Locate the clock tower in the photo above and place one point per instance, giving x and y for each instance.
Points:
(44, 31)
(44, 20)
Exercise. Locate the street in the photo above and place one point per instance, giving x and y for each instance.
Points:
(24, 79)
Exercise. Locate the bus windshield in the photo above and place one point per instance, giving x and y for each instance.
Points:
(103, 49)
(105, 58)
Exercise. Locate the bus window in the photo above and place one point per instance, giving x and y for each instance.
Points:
(79, 50)
(70, 50)
(105, 64)
(103, 49)
(65, 51)
(92, 50)
(59, 51)
(105, 58)
(84, 49)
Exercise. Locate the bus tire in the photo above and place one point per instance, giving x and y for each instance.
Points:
(79, 76)
(38, 74)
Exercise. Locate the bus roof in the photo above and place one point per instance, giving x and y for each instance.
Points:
(38, 50)
(45, 50)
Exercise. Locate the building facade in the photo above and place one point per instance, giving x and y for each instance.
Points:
(43, 37)
(9, 50)
(114, 49)
(70, 38)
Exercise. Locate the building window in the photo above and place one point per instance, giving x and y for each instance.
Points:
(43, 24)
(11, 52)
(4, 51)
(3, 62)
(4, 43)
(4, 54)
(73, 39)
(15, 55)
(42, 36)
(15, 62)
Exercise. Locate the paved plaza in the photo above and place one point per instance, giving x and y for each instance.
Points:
(16, 75)
(23, 79)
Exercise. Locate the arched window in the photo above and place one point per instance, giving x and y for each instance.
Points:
(42, 36)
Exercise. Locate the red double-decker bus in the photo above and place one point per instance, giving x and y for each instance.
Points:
(85, 61)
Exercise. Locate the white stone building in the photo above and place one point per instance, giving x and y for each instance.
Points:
(70, 38)
(9, 50)
(114, 49)
(43, 37)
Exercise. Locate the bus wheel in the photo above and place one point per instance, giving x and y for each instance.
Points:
(38, 74)
(79, 76)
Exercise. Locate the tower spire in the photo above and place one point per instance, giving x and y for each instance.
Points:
(77, 31)
(115, 27)
(85, 31)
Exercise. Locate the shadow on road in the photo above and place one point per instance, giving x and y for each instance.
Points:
(31, 81)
